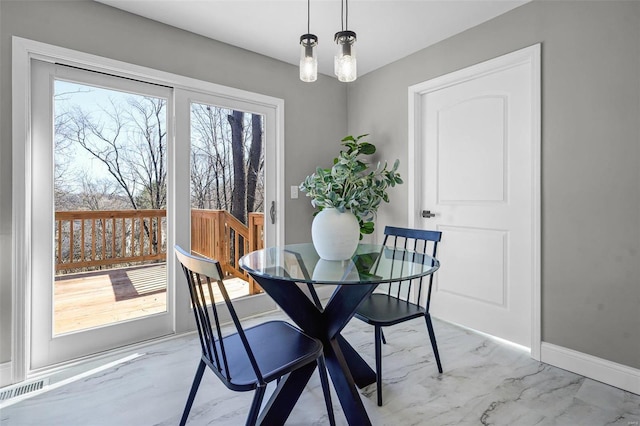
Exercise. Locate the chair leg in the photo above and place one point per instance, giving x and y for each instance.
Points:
(255, 405)
(324, 379)
(383, 339)
(192, 393)
(378, 344)
(432, 336)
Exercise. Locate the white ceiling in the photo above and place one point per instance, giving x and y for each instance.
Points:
(386, 30)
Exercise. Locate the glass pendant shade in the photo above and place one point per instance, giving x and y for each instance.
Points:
(344, 65)
(308, 58)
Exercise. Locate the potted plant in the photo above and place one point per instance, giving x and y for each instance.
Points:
(347, 197)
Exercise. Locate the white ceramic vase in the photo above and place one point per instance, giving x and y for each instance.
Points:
(335, 235)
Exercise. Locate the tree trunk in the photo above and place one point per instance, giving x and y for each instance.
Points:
(238, 196)
(254, 160)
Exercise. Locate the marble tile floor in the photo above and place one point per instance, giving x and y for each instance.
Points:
(485, 382)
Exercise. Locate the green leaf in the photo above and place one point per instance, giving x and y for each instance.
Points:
(367, 228)
(367, 148)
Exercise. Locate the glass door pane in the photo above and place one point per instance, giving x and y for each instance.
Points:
(110, 176)
(227, 189)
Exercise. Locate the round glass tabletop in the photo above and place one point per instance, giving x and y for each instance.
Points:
(371, 264)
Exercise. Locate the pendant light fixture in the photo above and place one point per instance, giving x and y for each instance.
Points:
(308, 55)
(344, 65)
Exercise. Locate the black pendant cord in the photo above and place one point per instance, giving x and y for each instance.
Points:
(346, 15)
(308, 16)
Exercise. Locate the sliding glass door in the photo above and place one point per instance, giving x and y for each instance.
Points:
(118, 172)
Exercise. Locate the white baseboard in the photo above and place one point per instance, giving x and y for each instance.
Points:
(611, 373)
(6, 374)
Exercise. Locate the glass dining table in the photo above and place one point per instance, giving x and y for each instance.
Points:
(284, 272)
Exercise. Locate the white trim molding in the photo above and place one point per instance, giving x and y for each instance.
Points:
(21, 213)
(602, 370)
(6, 374)
(531, 56)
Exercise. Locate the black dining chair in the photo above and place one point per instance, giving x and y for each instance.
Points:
(402, 301)
(248, 359)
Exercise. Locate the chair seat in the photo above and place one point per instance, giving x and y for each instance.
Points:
(283, 349)
(384, 310)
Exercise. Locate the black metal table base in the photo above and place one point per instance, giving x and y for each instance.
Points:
(346, 367)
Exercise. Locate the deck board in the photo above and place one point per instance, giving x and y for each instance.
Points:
(94, 299)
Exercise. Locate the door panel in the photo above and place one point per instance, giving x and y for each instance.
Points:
(190, 139)
(476, 159)
(73, 318)
(483, 252)
(471, 151)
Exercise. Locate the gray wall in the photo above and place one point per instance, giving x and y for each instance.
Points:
(590, 157)
(310, 137)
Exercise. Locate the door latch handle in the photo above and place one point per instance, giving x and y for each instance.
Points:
(427, 214)
(272, 212)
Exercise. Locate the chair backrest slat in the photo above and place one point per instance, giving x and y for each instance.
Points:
(201, 272)
(199, 322)
(419, 234)
(421, 242)
(212, 347)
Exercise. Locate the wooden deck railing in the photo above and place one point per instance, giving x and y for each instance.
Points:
(218, 235)
(106, 237)
(86, 239)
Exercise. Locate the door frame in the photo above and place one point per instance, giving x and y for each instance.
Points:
(530, 56)
(23, 51)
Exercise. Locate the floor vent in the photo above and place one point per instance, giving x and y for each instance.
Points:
(21, 389)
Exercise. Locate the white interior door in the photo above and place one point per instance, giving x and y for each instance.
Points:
(478, 180)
